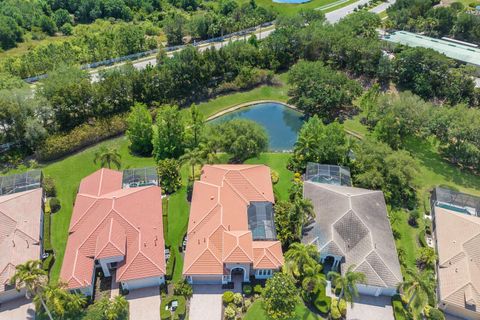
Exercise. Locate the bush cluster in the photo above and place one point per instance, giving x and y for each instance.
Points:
(60, 145)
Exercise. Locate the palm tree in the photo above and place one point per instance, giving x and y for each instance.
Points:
(426, 258)
(302, 213)
(33, 278)
(313, 278)
(347, 283)
(418, 290)
(192, 157)
(60, 301)
(107, 157)
(299, 256)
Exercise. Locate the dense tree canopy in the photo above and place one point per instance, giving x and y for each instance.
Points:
(319, 90)
(140, 130)
(280, 296)
(168, 136)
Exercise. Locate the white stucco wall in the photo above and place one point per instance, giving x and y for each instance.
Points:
(376, 291)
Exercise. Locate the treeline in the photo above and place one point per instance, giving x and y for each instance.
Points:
(394, 119)
(68, 99)
(438, 21)
(96, 42)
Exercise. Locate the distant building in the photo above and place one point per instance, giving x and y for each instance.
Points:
(456, 225)
(119, 231)
(231, 228)
(21, 226)
(351, 227)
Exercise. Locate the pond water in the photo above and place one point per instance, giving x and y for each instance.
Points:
(281, 122)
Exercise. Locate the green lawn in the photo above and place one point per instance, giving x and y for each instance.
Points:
(256, 312)
(292, 8)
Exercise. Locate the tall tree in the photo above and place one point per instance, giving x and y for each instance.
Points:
(33, 278)
(108, 156)
(280, 296)
(168, 137)
(63, 304)
(140, 129)
(313, 279)
(347, 283)
(193, 157)
(196, 125)
(418, 289)
(169, 174)
(319, 90)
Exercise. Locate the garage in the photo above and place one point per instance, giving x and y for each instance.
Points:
(142, 283)
(206, 279)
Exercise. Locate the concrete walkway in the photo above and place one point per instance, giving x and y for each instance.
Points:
(206, 302)
(144, 303)
(371, 308)
(18, 309)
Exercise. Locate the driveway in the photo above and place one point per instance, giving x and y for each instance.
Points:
(144, 303)
(371, 308)
(18, 309)
(206, 302)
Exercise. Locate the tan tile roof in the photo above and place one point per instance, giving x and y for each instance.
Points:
(109, 221)
(218, 229)
(458, 245)
(353, 223)
(20, 215)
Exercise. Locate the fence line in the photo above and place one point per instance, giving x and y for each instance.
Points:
(136, 56)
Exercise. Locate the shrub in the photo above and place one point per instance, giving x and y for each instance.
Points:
(421, 238)
(238, 299)
(275, 176)
(54, 205)
(398, 309)
(227, 297)
(342, 306)
(258, 289)
(60, 145)
(322, 302)
(247, 289)
(48, 262)
(170, 266)
(335, 312)
(435, 314)
(48, 185)
(230, 313)
(247, 303)
(47, 244)
(181, 308)
(183, 288)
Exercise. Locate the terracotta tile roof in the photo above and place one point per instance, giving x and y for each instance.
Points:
(109, 221)
(20, 215)
(458, 248)
(218, 230)
(353, 223)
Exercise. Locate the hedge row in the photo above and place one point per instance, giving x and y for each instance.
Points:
(178, 314)
(47, 244)
(57, 146)
(47, 264)
(170, 265)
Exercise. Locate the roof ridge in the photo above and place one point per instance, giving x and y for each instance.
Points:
(26, 234)
(373, 269)
(201, 254)
(205, 217)
(252, 185)
(235, 190)
(271, 253)
(386, 265)
(8, 216)
(16, 195)
(96, 199)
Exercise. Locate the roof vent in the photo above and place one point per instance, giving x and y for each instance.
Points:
(456, 269)
(212, 197)
(145, 244)
(204, 239)
(198, 241)
(228, 227)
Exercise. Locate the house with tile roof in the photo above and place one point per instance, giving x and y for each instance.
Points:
(21, 234)
(231, 227)
(456, 226)
(119, 231)
(351, 227)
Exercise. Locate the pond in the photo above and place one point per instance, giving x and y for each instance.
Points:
(281, 122)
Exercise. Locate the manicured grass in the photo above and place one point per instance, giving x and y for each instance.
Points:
(256, 312)
(408, 237)
(292, 8)
(218, 104)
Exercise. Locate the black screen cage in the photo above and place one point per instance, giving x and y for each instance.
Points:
(456, 201)
(140, 177)
(329, 174)
(260, 221)
(20, 182)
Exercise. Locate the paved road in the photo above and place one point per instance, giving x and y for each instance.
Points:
(332, 17)
(382, 7)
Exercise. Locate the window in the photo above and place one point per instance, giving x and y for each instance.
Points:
(264, 272)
